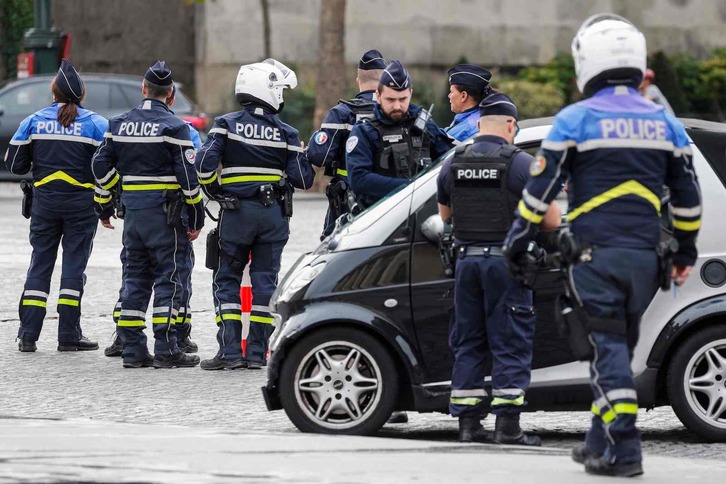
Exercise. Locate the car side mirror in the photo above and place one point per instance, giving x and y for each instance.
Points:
(433, 229)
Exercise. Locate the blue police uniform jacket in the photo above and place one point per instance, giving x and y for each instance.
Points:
(59, 157)
(618, 149)
(517, 173)
(464, 125)
(255, 148)
(362, 150)
(150, 151)
(327, 145)
(194, 134)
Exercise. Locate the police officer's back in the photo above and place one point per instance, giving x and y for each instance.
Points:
(261, 161)
(56, 144)
(327, 145)
(388, 150)
(150, 151)
(468, 85)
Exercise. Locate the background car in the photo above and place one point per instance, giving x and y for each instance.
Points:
(107, 94)
(363, 320)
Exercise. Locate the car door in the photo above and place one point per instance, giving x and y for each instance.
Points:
(432, 298)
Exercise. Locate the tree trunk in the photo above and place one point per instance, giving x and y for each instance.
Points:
(331, 62)
(265, 4)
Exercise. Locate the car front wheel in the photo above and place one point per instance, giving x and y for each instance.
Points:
(697, 383)
(339, 381)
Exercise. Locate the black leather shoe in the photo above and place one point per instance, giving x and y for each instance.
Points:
(470, 430)
(580, 453)
(144, 362)
(116, 348)
(186, 345)
(26, 346)
(600, 467)
(178, 360)
(508, 432)
(254, 365)
(84, 344)
(398, 418)
(218, 363)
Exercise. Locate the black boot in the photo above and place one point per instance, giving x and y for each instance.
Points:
(83, 344)
(580, 453)
(116, 348)
(600, 467)
(397, 417)
(26, 346)
(218, 363)
(508, 432)
(186, 345)
(470, 430)
(177, 360)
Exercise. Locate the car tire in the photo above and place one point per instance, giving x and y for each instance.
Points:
(339, 381)
(697, 383)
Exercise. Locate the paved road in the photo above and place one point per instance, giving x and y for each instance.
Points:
(49, 384)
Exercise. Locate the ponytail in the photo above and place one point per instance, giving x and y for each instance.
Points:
(69, 111)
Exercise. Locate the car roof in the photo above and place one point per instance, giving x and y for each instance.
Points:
(689, 123)
(87, 76)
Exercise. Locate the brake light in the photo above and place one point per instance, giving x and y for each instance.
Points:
(199, 122)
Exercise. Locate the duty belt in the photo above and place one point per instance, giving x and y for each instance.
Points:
(473, 250)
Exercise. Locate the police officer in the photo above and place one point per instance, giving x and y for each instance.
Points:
(151, 152)
(618, 149)
(184, 319)
(479, 187)
(327, 145)
(57, 144)
(261, 157)
(468, 85)
(386, 151)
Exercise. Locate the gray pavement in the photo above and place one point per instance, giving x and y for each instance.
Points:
(138, 411)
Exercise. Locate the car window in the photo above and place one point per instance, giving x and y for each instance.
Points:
(712, 145)
(26, 99)
(118, 100)
(182, 104)
(98, 96)
(132, 94)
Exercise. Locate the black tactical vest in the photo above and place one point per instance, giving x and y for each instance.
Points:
(402, 153)
(360, 109)
(483, 207)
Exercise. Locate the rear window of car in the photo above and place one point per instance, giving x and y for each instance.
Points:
(712, 145)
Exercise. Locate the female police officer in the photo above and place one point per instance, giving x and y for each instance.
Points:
(57, 144)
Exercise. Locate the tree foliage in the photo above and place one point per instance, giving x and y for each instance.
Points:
(16, 16)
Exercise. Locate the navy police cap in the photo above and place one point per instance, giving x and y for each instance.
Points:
(396, 76)
(470, 75)
(159, 74)
(69, 82)
(372, 60)
(497, 104)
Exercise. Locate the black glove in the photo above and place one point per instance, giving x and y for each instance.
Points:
(524, 265)
(195, 213)
(105, 211)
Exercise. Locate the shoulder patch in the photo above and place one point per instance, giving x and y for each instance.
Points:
(190, 155)
(351, 144)
(321, 137)
(537, 166)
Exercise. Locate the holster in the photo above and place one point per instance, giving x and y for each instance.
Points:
(118, 204)
(285, 191)
(173, 207)
(573, 323)
(666, 249)
(337, 193)
(446, 250)
(27, 206)
(212, 260)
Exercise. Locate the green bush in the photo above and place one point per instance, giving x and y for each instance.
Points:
(533, 100)
(559, 73)
(17, 17)
(703, 83)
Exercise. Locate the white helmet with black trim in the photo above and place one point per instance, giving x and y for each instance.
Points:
(263, 82)
(608, 49)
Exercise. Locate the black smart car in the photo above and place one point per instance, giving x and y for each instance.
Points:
(363, 320)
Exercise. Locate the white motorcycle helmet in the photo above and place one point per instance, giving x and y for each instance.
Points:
(608, 49)
(263, 82)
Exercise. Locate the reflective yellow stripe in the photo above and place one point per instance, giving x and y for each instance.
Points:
(620, 409)
(340, 171)
(99, 199)
(111, 183)
(160, 319)
(262, 319)
(68, 302)
(250, 178)
(33, 302)
(687, 226)
(465, 401)
(527, 214)
(181, 319)
(506, 401)
(194, 200)
(595, 410)
(630, 187)
(208, 180)
(130, 322)
(62, 176)
(152, 186)
(218, 319)
(237, 317)
(117, 314)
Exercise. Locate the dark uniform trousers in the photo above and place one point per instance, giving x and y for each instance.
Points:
(48, 229)
(155, 254)
(262, 232)
(494, 311)
(616, 284)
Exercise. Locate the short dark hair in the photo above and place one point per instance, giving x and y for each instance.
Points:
(476, 93)
(156, 91)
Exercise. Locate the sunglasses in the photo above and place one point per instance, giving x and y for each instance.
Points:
(516, 126)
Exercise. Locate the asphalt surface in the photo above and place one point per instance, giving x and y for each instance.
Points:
(87, 385)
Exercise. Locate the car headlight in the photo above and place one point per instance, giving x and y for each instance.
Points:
(299, 280)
